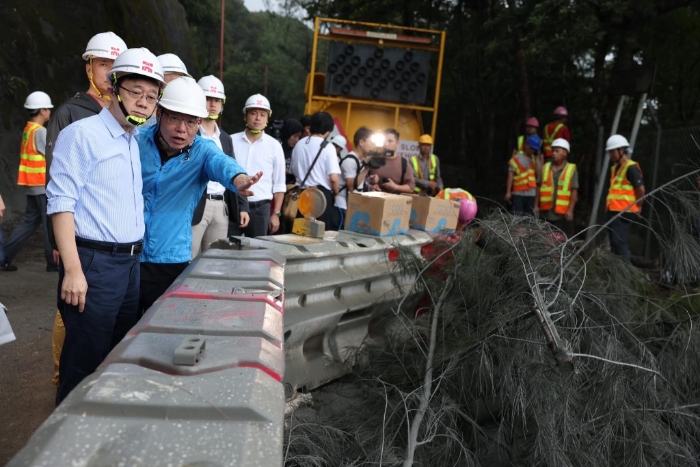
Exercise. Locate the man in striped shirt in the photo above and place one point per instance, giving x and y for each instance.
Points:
(95, 200)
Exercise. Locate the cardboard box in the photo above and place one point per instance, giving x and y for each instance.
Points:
(433, 214)
(378, 213)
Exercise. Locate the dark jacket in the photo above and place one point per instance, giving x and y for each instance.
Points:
(76, 108)
(236, 203)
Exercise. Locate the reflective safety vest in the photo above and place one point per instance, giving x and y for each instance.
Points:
(32, 163)
(453, 194)
(621, 192)
(561, 205)
(523, 179)
(549, 138)
(417, 171)
(521, 141)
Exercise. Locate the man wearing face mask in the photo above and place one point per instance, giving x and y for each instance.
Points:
(257, 151)
(95, 200)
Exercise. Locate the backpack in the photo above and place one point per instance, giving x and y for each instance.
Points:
(357, 172)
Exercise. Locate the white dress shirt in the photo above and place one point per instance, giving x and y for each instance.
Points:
(265, 154)
(213, 188)
(303, 156)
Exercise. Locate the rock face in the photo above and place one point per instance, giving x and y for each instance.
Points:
(41, 46)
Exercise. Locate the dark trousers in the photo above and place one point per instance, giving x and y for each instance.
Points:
(523, 205)
(155, 280)
(34, 216)
(110, 312)
(259, 222)
(618, 232)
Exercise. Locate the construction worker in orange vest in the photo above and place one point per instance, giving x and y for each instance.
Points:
(625, 194)
(32, 175)
(426, 168)
(556, 129)
(522, 179)
(558, 188)
(532, 126)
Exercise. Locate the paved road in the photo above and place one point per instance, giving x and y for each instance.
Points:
(26, 393)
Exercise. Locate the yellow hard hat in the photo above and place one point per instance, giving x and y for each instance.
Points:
(425, 139)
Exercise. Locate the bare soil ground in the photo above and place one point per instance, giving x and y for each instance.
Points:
(26, 365)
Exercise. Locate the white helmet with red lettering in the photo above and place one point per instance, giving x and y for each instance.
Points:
(104, 45)
(139, 61)
(257, 101)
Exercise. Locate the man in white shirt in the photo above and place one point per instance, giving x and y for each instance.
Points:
(324, 173)
(257, 151)
(353, 168)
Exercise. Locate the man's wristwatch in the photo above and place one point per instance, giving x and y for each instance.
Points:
(277, 213)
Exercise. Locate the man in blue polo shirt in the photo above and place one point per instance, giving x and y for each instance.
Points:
(95, 200)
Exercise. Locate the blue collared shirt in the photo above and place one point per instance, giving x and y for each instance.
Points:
(96, 175)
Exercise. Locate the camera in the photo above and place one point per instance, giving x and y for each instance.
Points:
(378, 154)
(275, 129)
(378, 158)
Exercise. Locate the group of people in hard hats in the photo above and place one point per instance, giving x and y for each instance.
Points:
(544, 183)
(136, 177)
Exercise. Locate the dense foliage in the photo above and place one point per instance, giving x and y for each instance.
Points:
(252, 43)
(531, 355)
(505, 60)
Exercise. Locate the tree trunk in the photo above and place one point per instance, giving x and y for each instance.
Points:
(522, 67)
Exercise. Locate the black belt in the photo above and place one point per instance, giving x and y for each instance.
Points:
(131, 248)
(217, 197)
(256, 204)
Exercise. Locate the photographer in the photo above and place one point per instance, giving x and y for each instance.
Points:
(395, 175)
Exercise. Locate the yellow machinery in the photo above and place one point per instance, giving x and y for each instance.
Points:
(376, 75)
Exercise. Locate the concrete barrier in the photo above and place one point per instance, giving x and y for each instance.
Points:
(199, 380)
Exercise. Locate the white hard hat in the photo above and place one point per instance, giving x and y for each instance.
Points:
(171, 63)
(139, 61)
(616, 142)
(184, 95)
(339, 140)
(212, 87)
(104, 45)
(561, 143)
(38, 100)
(257, 101)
